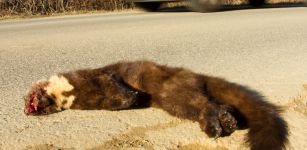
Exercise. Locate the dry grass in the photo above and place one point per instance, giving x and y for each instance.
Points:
(47, 7)
(299, 103)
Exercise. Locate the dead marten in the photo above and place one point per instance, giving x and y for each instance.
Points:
(219, 106)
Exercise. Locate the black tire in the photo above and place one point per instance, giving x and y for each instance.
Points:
(149, 6)
(205, 5)
(257, 3)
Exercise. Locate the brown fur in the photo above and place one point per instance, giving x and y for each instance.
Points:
(219, 106)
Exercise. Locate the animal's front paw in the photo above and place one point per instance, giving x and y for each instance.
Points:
(227, 120)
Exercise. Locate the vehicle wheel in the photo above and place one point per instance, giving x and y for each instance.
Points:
(149, 6)
(205, 5)
(257, 3)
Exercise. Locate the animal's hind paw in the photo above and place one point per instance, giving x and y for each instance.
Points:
(227, 120)
(211, 127)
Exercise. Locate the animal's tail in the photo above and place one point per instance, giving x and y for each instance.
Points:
(267, 129)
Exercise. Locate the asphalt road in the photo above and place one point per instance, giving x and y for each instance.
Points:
(265, 49)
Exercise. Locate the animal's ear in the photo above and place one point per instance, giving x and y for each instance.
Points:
(43, 85)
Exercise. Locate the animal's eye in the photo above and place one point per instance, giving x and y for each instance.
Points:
(45, 101)
(50, 100)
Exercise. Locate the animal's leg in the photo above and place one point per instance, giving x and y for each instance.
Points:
(193, 105)
(209, 121)
(118, 94)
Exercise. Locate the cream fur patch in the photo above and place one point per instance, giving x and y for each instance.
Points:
(57, 85)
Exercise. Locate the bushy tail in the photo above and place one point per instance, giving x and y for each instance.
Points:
(267, 129)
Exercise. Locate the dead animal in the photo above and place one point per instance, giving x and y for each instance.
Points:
(219, 106)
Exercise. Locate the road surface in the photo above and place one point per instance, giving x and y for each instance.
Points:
(265, 49)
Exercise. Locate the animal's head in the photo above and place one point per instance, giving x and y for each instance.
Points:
(38, 102)
(47, 97)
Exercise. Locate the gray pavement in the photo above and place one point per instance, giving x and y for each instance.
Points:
(265, 49)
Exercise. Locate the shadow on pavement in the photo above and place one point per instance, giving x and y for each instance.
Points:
(235, 7)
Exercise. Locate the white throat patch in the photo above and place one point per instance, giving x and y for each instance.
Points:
(57, 85)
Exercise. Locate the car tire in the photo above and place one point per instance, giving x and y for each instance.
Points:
(205, 5)
(149, 6)
(257, 3)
